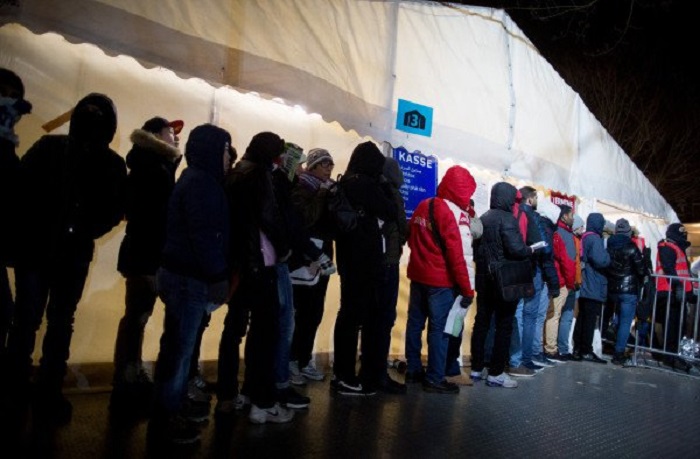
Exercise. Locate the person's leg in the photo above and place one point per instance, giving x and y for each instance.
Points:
(589, 309)
(185, 302)
(261, 342)
(309, 302)
(516, 338)
(235, 328)
(628, 305)
(565, 321)
(482, 322)
(388, 297)
(32, 294)
(537, 347)
(531, 309)
(7, 310)
(286, 325)
(66, 288)
(504, 326)
(415, 323)
(140, 299)
(195, 370)
(440, 302)
(551, 325)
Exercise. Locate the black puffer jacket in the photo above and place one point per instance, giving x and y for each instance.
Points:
(152, 164)
(71, 188)
(626, 270)
(501, 239)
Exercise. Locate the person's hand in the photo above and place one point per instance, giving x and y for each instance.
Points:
(466, 301)
(218, 292)
(577, 286)
(554, 292)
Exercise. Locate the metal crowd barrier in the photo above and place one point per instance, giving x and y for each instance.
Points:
(652, 346)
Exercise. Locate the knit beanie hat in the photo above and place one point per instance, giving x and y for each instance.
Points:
(578, 223)
(317, 155)
(622, 226)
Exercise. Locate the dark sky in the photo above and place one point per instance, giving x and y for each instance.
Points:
(632, 62)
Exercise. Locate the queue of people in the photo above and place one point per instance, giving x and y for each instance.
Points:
(257, 236)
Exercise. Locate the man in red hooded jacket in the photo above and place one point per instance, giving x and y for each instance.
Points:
(440, 244)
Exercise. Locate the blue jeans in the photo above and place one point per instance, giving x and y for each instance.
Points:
(524, 323)
(565, 321)
(626, 306)
(286, 326)
(537, 346)
(186, 304)
(433, 304)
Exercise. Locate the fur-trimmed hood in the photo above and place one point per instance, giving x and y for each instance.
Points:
(148, 141)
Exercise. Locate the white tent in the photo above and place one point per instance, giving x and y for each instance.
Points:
(322, 73)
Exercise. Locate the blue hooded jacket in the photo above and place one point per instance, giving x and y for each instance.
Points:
(594, 259)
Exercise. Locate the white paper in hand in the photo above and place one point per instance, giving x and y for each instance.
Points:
(538, 245)
(455, 319)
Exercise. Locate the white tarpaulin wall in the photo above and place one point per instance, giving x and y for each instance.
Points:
(499, 107)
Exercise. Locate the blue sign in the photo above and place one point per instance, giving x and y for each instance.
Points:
(419, 177)
(414, 118)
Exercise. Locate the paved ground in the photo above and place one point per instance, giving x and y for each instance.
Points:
(584, 410)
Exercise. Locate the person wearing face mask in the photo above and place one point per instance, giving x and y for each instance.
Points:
(12, 107)
(70, 193)
(671, 260)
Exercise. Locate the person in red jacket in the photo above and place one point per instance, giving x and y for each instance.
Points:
(556, 347)
(438, 272)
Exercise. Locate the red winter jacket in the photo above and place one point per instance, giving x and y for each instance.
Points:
(427, 264)
(566, 266)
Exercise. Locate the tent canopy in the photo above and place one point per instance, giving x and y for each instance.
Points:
(497, 104)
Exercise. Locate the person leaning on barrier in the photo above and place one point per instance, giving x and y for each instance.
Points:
(671, 260)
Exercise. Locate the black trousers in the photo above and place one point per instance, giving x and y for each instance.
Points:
(588, 311)
(308, 312)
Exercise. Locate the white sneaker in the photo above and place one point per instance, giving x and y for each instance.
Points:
(295, 376)
(310, 372)
(502, 380)
(275, 414)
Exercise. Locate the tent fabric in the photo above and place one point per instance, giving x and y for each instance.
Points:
(497, 103)
(320, 73)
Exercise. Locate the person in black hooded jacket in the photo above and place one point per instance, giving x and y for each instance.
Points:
(360, 257)
(193, 279)
(71, 193)
(500, 241)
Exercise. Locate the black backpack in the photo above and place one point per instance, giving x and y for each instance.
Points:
(343, 215)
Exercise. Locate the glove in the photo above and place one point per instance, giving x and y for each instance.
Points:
(325, 265)
(577, 287)
(466, 301)
(218, 292)
(554, 292)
